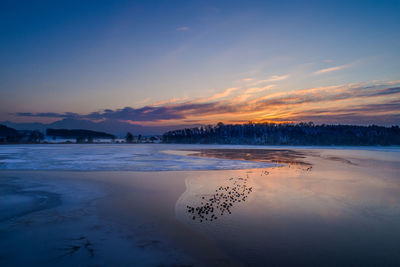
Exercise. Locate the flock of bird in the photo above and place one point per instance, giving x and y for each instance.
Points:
(222, 201)
(225, 197)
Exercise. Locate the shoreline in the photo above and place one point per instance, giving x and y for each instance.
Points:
(211, 144)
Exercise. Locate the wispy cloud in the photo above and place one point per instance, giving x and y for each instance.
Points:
(219, 95)
(246, 80)
(254, 90)
(331, 69)
(183, 29)
(277, 78)
(251, 92)
(173, 100)
(379, 101)
(274, 78)
(225, 93)
(49, 114)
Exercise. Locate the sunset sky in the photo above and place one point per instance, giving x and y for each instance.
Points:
(200, 62)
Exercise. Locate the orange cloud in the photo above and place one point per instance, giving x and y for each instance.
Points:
(222, 94)
(169, 101)
(331, 69)
(350, 103)
(274, 78)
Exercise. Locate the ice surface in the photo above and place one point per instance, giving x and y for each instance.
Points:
(101, 157)
(134, 157)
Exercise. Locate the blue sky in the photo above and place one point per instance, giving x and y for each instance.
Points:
(87, 56)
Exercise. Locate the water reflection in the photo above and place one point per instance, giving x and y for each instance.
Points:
(326, 208)
(285, 156)
(222, 201)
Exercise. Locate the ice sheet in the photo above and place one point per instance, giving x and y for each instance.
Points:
(108, 157)
(144, 157)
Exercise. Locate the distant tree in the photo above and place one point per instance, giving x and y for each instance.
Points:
(77, 133)
(9, 135)
(35, 137)
(129, 137)
(304, 133)
(139, 138)
(80, 140)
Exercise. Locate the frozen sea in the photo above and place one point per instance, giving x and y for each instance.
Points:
(109, 157)
(139, 157)
(197, 205)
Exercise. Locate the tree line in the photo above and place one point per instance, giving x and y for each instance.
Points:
(286, 134)
(81, 135)
(10, 135)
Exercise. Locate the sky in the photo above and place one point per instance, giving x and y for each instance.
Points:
(157, 63)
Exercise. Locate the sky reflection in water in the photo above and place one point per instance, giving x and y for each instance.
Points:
(329, 207)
